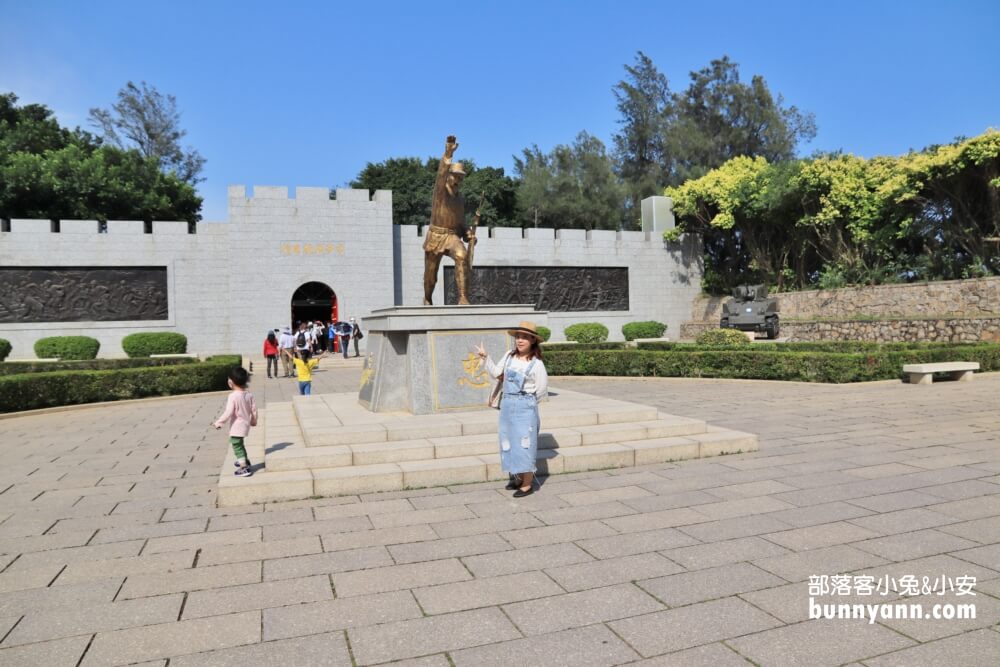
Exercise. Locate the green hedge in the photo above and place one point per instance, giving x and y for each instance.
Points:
(545, 333)
(834, 367)
(615, 345)
(810, 346)
(5, 348)
(154, 342)
(648, 329)
(722, 337)
(67, 347)
(586, 332)
(18, 367)
(41, 390)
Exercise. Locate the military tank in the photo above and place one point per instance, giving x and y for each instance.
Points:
(751, 310)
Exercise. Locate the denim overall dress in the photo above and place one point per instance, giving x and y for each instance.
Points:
(519, 422)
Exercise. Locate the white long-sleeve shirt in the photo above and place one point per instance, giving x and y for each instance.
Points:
(537, 382)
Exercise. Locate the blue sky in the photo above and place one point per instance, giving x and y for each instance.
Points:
(306, 93)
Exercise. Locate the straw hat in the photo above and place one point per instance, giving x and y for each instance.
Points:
(527, 328)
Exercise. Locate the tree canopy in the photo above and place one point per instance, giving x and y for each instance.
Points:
(47, 171)
(645, 105)
(412, 183)
(839, 219)
(145, 119)
(718, 117)
(572, 186)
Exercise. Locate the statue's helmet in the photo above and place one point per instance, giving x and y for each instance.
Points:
(456, 168)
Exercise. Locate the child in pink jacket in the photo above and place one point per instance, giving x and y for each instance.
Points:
(240, 414)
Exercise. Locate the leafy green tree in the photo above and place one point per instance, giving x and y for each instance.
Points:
(644, 102)
(834, 220)
(411, 181)
(496, 191)
(47, 171)
(412, 185)
(719, 117)
(145, 119)
(667, 138)
(573, 186)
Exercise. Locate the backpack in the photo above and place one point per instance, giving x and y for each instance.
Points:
(300, 340)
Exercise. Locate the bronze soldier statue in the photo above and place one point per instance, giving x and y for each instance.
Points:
(448, 228)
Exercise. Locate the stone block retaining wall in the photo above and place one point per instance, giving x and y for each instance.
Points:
(954, 310)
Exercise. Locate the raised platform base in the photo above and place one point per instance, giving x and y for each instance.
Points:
(420, 359)
(328, 445)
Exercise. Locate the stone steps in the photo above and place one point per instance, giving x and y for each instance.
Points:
(374, 453)
(327, 422)
(583, 433)
(272, 485)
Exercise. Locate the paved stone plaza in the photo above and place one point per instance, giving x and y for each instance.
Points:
(114, 552)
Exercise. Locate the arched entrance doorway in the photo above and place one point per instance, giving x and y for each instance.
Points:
(314, 301)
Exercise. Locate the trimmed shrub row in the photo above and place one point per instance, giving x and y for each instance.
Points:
(586, 332)
(41, 390)
(85, 347)
(614, 345)
(67, 347)
(722, 337)
(648, 329)
(833, 367)
(18, 367)
(155, 342)
(545, 333)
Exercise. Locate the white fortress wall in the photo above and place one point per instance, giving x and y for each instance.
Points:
(191, 261)
(231, 282)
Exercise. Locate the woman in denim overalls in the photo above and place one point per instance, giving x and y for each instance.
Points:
(524, 383)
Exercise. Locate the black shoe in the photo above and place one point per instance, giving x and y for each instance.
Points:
(513, 483)
(521, 493)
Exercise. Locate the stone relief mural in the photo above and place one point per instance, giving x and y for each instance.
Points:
(82, 294)
(551, 288)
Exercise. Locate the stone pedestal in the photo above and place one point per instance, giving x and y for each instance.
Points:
(421, 359)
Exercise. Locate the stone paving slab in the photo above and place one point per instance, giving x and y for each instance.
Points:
(399, 577)
(591, 647)
(675, 629)
(526, 560)
(97, 618)
(108, 529)
(330, 615)
(257, 596)
(821, 643)
(196, 579)
(973, 649)
(325, 649)
(58, 652)
(477, 593)
(709, 655)
(686, 588)
(612, 571)
(173, 639)
(423, 636)
(573, 610)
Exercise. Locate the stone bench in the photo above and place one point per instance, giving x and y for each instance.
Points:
(957, 370)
